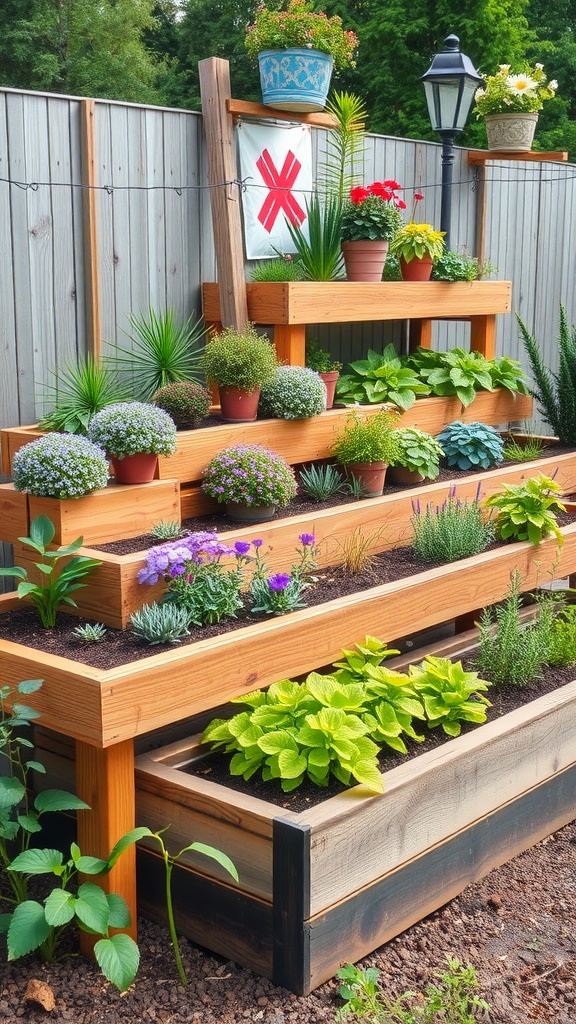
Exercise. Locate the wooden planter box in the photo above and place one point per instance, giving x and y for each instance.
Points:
(127, 510)
(300, 441)
(113, 593)
(333, 883)
(105, 710)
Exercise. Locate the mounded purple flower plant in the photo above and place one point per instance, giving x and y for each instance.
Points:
(279, 581)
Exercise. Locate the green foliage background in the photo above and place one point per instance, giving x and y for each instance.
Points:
(147, 51)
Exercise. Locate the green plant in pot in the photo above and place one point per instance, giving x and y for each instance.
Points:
(240, 362)
(133, 435)
(328, 369)
(366, 447)
(418, 457)
(417, 247)
(318, 247)
(162, 351)
(252, 481)
(370, 219)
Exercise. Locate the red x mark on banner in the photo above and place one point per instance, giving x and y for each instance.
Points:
(279, 197)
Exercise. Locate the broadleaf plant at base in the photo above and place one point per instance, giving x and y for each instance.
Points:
(527, 511)
(381, 377)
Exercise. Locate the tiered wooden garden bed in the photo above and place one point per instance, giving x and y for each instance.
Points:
(114, 593)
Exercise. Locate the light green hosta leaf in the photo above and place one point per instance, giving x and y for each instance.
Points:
(118, 958)
(318, 758)
(59, 907)
(38, 862)
(28, 929)
(276, 742)
(368, 774)
(291, 764)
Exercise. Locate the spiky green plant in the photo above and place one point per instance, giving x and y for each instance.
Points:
(555, 392)
(318, 249)
(162, 352)
(81, 389)
(344, 144)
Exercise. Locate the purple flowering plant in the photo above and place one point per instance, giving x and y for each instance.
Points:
(249, 475)
(209, 588)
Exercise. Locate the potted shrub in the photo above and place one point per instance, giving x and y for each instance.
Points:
(461, 266)
(370, 219)
(509, 104)
(296, 49)
(297, 393)
(327, 368)
(417, 247)
(133, 435)
(251, 480)
(240, 362)
(418, 457)
(366, 447)
(187, 403)
(60, 466)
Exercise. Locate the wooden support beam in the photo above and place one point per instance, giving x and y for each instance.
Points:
(290, 343)
(483, 335)
(89, 219)
(224, 201)
(482, 156)
(239, 108)
(105, 780)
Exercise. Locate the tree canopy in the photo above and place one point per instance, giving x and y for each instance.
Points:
(148, 51)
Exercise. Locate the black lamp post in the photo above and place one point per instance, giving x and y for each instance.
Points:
(449, 84)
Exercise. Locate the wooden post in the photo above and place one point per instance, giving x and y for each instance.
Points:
(93, 331)
(483, 335)
(105, 780)
(225, 202)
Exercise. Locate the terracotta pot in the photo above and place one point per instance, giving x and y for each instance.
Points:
(134, 469)
(330, 380)
(238, 406)
(370, 475)
(418, 269)
(510, 133)
(403, 475)
(365, 260)
(249, 513)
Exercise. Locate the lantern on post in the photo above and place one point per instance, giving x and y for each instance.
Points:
(449, 85)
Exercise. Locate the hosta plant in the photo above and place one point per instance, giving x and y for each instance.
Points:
(508, 373)
(418, 451)
(471, 445)
(381, 377)
(295, 731)
(60, 466)
(527, 511)
(55, 586)
(450, 695)
(457, 372)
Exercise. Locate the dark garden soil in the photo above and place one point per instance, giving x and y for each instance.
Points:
(516, 927)
(121, 646)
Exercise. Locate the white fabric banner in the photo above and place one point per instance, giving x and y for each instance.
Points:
(276, 166)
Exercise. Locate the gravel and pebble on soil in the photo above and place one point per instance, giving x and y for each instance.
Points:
(516, 926)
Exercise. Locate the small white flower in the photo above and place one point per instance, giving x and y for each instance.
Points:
(552, 84)
(505, 67)
(539, 67)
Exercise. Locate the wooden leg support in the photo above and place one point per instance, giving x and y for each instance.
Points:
(105, 780)
(420, 334)
(483, 335)
(289, 342)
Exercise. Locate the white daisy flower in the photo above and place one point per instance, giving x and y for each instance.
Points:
(521, 84)
(553, 84)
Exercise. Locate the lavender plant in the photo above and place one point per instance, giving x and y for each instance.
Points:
(455, 529)
(60, 466)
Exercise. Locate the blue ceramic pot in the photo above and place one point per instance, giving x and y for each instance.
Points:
(295, 79)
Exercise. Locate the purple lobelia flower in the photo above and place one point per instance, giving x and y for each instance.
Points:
(307, 539)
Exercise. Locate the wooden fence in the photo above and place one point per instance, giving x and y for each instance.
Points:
(75, 261)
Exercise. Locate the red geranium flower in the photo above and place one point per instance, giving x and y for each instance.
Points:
(359, 194)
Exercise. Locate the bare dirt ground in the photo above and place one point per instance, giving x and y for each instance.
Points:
(516, 926)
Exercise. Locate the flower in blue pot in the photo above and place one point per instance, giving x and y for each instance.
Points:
(296, 49)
